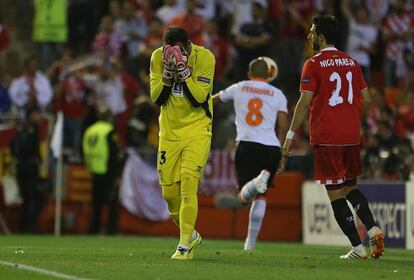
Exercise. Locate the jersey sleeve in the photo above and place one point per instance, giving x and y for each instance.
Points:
(308, 81)
(227, 94)
(158, 90)
(200, 84)
(282, 103)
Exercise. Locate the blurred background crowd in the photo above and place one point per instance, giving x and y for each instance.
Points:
(99, 52)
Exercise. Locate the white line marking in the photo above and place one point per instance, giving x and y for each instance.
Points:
(41, 271)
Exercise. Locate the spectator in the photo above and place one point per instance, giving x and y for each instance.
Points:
(131, 89)
(142, 116)
(386, 139)
(153, 41)
(70, 99)
(133, 30)
(295, 25)
(25, 148)
(108, 88)
(146, 11)
(221, 50)
(32, 88)
(115, 11)
(56, 71)
(4, 36)
(50, 32)
(379, 10)
(5, 102)
(398, 30)
(167, 12)
(361, 38)
(100, 149)
(83, 23)
(108, 42)
(254, 39)
(191, 22)
(4, 41)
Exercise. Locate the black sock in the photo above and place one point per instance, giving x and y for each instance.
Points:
(345, 219)
(361, 207)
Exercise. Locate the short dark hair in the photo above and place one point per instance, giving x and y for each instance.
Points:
(175, 34)
(258, 68)
(328, 26)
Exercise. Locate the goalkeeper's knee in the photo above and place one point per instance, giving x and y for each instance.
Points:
(189, 183)
(171, 193)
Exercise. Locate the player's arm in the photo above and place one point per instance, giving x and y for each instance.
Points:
(366, 99)
(199, 85)
(282, 124)
(225, 95)
(301, 109)
(216, 99)
(308, 86)
(159, 90)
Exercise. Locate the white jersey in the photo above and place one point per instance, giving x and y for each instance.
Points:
(256, 104)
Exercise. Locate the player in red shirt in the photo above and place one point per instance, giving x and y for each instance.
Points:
(333, 87)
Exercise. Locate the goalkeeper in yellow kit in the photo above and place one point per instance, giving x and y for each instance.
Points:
(181, 76)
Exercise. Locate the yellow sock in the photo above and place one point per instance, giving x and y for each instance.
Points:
(189, 207)
(172, 196)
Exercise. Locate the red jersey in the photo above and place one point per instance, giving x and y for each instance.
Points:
(336, 81)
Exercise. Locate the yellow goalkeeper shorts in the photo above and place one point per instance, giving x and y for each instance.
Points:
(179, 156)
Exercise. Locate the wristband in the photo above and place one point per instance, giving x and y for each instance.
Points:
(290, 135)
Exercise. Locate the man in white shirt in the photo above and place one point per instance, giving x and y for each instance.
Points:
(361, 38)
(32, 88)
(169, 10)
(261, 109)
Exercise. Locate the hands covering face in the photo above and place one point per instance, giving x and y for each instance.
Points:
(175, 67)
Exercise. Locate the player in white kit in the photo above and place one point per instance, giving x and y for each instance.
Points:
(261, 122)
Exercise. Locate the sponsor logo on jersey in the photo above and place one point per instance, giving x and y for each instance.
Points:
(305, 80)
(203, 79)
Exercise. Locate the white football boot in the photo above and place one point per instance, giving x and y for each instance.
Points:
(356, 253)
(261, 181)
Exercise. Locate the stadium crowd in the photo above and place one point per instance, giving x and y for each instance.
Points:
(104, 61)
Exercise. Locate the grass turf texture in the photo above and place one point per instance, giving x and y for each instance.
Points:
(149, 258)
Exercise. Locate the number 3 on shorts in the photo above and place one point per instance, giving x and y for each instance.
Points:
(254, 117)
(162, 157)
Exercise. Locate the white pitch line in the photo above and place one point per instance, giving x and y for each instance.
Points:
(41, 271)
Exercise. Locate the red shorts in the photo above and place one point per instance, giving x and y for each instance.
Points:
(336, 164)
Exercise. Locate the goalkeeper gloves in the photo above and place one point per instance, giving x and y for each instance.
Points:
(168, 70)
(179, 59)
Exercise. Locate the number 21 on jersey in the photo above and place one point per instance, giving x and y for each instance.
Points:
(336, 99)
(254, 117)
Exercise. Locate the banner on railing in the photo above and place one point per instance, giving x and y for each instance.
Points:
(391, 204)
(140, 191)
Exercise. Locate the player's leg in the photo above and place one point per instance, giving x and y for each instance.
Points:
(346, 221)
(268, 158)
(360, 203)
(330, 170)
(189, 208)
(256, 215)
(193, 159)
(169, 175)
(172, 196)
(252, 176)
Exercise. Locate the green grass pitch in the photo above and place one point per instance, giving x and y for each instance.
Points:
(149, 258)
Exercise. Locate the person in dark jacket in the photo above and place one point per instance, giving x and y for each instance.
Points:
(25, 148)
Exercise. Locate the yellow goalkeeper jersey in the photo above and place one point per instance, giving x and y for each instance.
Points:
(186, 108)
